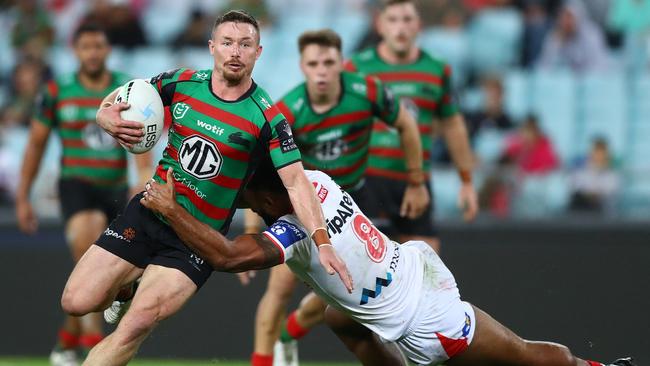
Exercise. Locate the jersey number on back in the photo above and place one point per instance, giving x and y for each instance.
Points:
(371, 237)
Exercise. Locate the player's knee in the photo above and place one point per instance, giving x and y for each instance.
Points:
(73, 303)
(552, 354)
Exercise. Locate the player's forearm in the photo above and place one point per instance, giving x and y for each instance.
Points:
(410, 140)
(246, 252)
(208, 243)
(144, 165)
(31, 162)
(306, 205)
(109, 99)
(457, 138)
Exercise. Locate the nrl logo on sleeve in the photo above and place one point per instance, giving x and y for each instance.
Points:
(201, 75)
(180, 109)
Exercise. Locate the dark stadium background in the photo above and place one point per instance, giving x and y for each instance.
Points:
(538, 258)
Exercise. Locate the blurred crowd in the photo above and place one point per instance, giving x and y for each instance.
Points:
(578, 37)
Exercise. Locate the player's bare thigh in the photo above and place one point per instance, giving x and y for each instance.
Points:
(95, 281)
(282, 282)
(494, 344)
(82, 229)
(162, 292)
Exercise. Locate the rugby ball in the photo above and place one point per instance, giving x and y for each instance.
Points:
(146, 108)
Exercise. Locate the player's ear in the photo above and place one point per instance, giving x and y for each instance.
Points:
(259, 52)
(211, 46)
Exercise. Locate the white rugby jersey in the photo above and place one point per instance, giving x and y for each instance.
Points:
(387, 277)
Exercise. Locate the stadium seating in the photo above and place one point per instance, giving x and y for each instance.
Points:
(603, 111)
(495, 35)
(554, 101)
(451, 46)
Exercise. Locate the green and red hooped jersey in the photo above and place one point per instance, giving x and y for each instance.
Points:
(214, 145)
(424, 88)
(337, 141)
(89, 153)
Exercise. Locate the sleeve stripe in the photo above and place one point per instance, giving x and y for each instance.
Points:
(286, 112)
(186, 75)
(277, 243)
(349, 66)
(270, 113)
(372, 90)
(53, 89)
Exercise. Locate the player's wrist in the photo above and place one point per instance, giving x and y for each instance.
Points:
(415, 177)
(465, 176)
(320, 237)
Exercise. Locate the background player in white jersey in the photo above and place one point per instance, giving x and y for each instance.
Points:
(405, 296)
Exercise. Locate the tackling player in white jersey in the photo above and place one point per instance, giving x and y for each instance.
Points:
(405, 301)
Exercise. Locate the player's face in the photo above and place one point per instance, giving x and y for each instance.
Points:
(399, 25)
(92, 50)
(322, 67)
(235, 48)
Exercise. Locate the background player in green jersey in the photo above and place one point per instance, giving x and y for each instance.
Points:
(331, 114)
(93, 184)
(223, 124)
(424, 83)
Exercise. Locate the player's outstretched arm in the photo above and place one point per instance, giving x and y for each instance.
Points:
(108, 117)
(416, 197)
(245, 252)
(38, 135)
(455, 134)
(305, 204)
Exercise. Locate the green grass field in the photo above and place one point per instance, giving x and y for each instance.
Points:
(19, 361)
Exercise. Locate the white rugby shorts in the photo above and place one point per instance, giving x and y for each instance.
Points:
(444, 325)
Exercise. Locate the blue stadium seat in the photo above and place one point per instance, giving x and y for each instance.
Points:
(516, 86)
(554, 101)
(603, 110)
(637, 149)
(62, 60)
(146, 62)
(450, 46)
(445, 185)
(540, 196)
(162, 20)
(495, 37)
(351, 27)
(489, 144)
(197, 58)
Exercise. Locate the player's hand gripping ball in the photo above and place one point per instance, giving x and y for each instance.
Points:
(145, 107)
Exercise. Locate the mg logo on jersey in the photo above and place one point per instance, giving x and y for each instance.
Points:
(200, 157)
(180, 109)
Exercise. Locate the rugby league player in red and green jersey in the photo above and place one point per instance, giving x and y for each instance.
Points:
(222, 125)
(93, 185)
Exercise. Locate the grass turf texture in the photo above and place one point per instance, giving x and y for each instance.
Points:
(18, 361)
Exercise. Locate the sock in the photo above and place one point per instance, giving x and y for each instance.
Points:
(67, 340)
(261, 360)
(89, 341)
(594, 363)
(292, 330)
